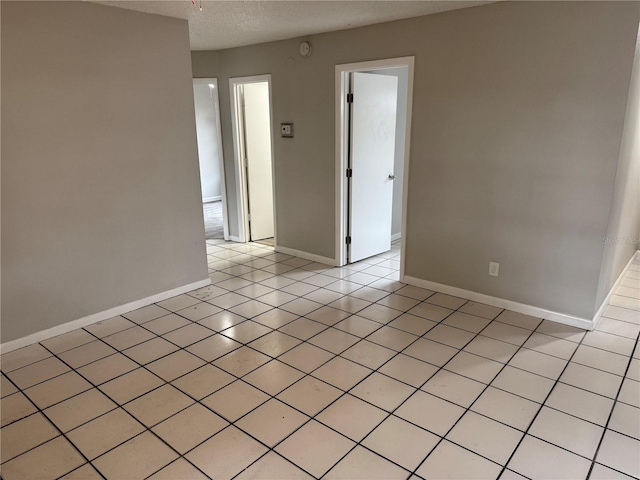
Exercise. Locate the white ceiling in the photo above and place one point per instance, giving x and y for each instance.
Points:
(225, 24)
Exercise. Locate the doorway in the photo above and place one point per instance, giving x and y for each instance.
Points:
(209, 138)
(373, 125)
(253, 151)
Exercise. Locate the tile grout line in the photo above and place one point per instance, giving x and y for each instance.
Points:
(389, 414)
(613, 406)
(169, 383)
(118, 406)
(468, 408)
(309, 374)
(542, 405)
(60, 432)
(274, 397)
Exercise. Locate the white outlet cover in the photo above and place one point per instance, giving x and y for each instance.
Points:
(286, 129)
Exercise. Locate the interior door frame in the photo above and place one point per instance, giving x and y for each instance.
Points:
(223, 187)
(241, 177)
(342, 148)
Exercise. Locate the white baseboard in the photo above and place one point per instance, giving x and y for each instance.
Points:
(233, 238)
(396, 236)
(615, 286)
(97, 317)
(307, 256)
(502, 303)
(211, 199)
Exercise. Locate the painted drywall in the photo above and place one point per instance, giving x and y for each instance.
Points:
(101, 200)
(208, 149)
(402, 74)
(623, 232)
(517, 156)
(518, 111)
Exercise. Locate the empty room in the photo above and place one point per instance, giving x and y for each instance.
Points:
(311, 239)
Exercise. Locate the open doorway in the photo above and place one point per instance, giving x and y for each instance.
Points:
(253, 150)
(209, 136)
(373, 123)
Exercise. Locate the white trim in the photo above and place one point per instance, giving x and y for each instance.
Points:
(98, 317)
(233, 238)
(502, 303)
(241, 182)
(605, 302)
(405, 177)
(223, 180)
(307, 256)
(396, 236)
(341, 78)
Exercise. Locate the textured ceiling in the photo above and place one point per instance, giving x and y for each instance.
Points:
(225, 24)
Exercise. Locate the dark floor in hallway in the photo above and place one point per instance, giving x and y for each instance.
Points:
(213, 220)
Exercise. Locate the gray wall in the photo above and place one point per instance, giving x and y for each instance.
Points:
(402, 73)
(100, 187)
(516, 158)
(208, 148)
(623, 231)
(518, 112)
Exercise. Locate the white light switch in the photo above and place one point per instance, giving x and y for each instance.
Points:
(494, 269)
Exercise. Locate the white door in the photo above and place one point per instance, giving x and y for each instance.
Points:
(257, 129)
(373, 132)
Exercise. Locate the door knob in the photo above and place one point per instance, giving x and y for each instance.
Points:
(392, 177)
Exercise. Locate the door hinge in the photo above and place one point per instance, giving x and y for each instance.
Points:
(348, 240)
(349, 173)
(349, 97)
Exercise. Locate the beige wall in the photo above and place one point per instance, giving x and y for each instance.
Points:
(518, 111)
(100, 185)
(623, 231)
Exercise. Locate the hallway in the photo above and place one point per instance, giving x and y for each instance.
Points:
(213, 228)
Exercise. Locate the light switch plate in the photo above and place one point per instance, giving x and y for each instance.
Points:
(286, 129)
(494, 269)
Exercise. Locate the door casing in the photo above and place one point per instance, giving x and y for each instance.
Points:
(342, 148)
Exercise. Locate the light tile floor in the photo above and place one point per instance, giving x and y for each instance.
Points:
(284, 368)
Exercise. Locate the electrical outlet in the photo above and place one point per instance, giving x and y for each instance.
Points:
(494, 269)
